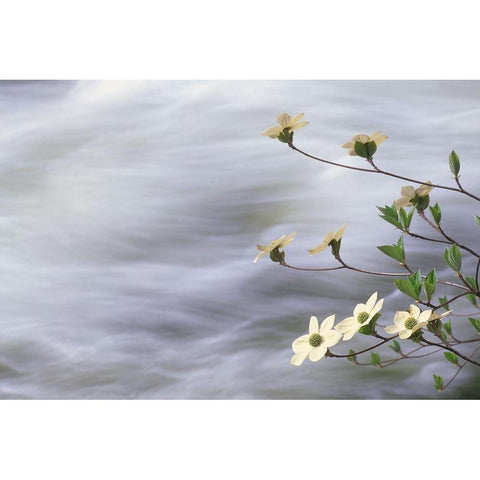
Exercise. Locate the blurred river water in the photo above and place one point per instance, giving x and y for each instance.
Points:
(130, 213)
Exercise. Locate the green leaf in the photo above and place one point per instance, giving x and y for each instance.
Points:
(451, 357)
(375, 359)
(436, 213)
(369, 328)
(448, 326)
(472, 299)
(406, 287)
(438, 382)
(397, 252)
(453, 258)
(390, 215)
(444, 301)
(477, 219)
(352, 357)
(395, 346)
(475, 324)
(472, 282)
(412, 286)
(430, 284)
(454, 162)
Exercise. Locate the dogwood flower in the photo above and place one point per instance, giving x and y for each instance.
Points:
(280, 243)
(362, 315)
(328, 238)
(315, 344)
(376, 137)
(409, 193)
(286, 123)
(407, 323)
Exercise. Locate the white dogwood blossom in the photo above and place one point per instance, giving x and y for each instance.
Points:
(285, 122)
(407, 323)
(376, 137)
(328, 238)
(315, 344)
(362, 315)
(409, 193)
(283, 241)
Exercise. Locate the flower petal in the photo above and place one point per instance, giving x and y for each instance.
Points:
(392, 329)
(362, 138)
(285, 120)
(301, 344)
(319, 248)
(327, 324)
(399, 319)
(408, 192)
(402, 202)
(340, 232)
(261, 254)
(424, 316)
(349, 326)
(272, 132)
(377, 307)
(298, 126)
(349, 144)
(424, 190)
(296, 118)
(414, 311)
(361, 307)
(313, 327)
(405, 334)
(298, 358)
(378, 137)
(331, 338)
(317, 353)
(371, 302)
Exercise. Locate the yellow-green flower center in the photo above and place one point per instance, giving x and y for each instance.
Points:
(410, 323)
(362, 317)
(315, 340)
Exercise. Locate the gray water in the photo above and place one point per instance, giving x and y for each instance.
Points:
(129, 215)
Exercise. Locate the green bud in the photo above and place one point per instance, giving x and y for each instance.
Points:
(277, 256)
(365, 150)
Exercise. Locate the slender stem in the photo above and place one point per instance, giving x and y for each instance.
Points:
(476, 272)
(416, 235)
(451, 300)
(326, 269)
(386, 274)
(428, 342)
(363, 351)
(439, 229)
(383, 172)
(459, 369)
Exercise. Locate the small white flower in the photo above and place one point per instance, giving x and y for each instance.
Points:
(286, 122)
(377, 137)
(328, 238)
(409, 193)
(406, 323)
(315, 344)
(280, 243)
(362, 315)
